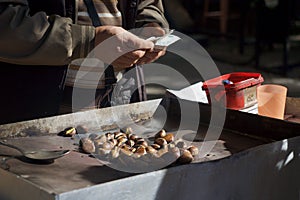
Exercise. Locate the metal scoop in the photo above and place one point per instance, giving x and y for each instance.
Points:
(41, 155)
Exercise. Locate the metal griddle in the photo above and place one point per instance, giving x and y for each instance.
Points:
(221, 174)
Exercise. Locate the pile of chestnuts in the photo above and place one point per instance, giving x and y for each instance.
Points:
(117, 146)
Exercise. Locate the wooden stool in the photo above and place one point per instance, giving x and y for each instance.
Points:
(222, 13)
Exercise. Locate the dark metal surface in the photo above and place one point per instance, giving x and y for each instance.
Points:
(106, 119)
(244, 123)
(38, 154)
(267, 171)
(80, 176)
(77, 170)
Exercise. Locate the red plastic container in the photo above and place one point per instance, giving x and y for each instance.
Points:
(235, 90)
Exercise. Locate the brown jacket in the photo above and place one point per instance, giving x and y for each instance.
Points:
(56, 40)
(35, 48)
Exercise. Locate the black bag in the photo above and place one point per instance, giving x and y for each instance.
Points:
(132, 87)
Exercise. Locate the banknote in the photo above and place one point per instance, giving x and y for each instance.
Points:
(165, 40)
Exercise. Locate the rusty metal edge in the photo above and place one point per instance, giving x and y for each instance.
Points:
(89, 121)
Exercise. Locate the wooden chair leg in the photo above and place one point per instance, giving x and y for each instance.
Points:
(223, 15)
(205, 12)
(285, 57)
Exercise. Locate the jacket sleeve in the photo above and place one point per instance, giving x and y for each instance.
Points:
(151, 11)
(40, 39)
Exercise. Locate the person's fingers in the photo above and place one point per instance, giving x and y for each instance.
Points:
(133, 42)
(152, 29)
(151, 57)
(104, 32)
(123, 49)
(136, 57)
(111, 37)
(128, 59)
(137, 54)
(131, 57)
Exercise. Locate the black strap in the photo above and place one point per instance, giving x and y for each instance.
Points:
(92, 12)
(131, 12)
(102, 100)
(109, 72)
(141, 83)
(110, 79)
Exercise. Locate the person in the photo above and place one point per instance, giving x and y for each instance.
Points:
(39, 39)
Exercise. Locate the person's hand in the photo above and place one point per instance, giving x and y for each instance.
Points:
(149, 30)
(122, 49)
(151, 55)
(152, 29)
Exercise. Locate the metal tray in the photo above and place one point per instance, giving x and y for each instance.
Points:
(232, 170)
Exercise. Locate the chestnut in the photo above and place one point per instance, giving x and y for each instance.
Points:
(185, 157)
(160, 134)
(141, 150)
(125, 150)
(87, 145)
(108, 145)
(150, 150)
(194, 150)
(109, 136)
(128, 130)
(115, 152)
(68, 132)
(133, 137)
(119, 134)
(114, 142)
(169, 137)
(121, 141)
(101, 139)
(131, 143)
(161, 141)
(155, 146)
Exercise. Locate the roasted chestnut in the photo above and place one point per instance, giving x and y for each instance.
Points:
(133, 137)
(68, 132)
(155, 146)
(128, 130)
(126, 150)
(185, 157)
(121, 141)
(87, 145)
(107, 145)
(109, 136)
(150, 150)
(131, 143)
(114, 142)
(127, 146)
(162, 133)
(119, 134)
(141, 150)
(115, 152)
(194, 150)
(169, 137)
(161, 141)
(100, 140)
